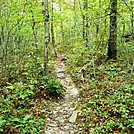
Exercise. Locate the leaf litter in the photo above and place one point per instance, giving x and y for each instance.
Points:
(63, 114)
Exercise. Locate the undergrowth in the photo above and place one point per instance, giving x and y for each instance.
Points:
(106, 89)
(23, 93)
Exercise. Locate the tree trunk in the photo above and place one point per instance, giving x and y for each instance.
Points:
(33, 29)
(74, 20)
(61, 24)
(85, 20)
(132, 16)
(52, 31)
(112, 46)
(47, 36)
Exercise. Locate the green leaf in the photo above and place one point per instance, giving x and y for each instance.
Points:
(10, 87)
(24, 95)
(27, 116)
(19, 125)
(1, 130)
(2, 122)
(32, 121)
(16, 119)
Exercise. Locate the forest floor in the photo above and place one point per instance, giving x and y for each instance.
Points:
(62, 115)
(98, 98)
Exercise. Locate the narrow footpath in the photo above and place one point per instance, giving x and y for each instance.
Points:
(62, 118)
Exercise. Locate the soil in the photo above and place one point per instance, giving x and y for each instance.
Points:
(63, 114)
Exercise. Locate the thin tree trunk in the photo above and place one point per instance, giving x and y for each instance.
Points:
(52, 31)
(33, 29)
(85, 22)
(47, 36)
(62, 25)
(112, 46)
(132, 17)
(74, 20)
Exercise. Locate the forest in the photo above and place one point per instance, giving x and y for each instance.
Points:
(67, 67)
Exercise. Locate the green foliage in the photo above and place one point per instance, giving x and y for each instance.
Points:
(111, 111)
(15, 106)
(54, 89)
(106, 92)
(106, 88)
(22, 108)
(21, 124)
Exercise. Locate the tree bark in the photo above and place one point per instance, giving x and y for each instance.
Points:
(85, 22)
(112, 46)
(52, 31)
(132, 16)
(74, 20)
(47, 35)
(61, 24)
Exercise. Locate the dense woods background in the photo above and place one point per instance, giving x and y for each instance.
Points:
(97, 38)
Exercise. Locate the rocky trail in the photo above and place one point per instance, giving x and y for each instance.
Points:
(63, 114)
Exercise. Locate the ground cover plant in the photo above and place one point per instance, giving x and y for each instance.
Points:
(95, 39)
(107, 89)
(22, 101)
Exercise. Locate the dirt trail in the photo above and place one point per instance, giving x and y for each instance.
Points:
(62, 118)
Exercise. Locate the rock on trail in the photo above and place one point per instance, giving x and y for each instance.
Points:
(62, 117)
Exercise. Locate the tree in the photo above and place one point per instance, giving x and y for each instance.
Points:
(52, 29)
(112, 46)
(85, 21)
(47, 35)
